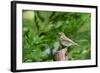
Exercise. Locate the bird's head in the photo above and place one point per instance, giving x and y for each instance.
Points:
(60, 33)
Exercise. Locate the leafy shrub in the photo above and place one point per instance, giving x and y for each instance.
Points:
(40, 30)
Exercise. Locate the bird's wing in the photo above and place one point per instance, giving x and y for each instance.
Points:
(66, 38)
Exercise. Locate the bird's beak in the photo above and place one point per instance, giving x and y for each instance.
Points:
(59, 33)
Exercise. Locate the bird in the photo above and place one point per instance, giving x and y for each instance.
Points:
(65, 41)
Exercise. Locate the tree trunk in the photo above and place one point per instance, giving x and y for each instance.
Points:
(60, 55)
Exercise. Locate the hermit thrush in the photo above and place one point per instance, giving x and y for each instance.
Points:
(65, 41)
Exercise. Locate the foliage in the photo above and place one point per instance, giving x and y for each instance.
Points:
(40, 30)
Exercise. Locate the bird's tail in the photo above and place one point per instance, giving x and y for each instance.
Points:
(76, 44)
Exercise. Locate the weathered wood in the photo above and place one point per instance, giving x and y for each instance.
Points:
(60, 55)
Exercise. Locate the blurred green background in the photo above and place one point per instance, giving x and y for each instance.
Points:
(40, 30)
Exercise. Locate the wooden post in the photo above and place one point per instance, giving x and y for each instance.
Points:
(60, 55)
